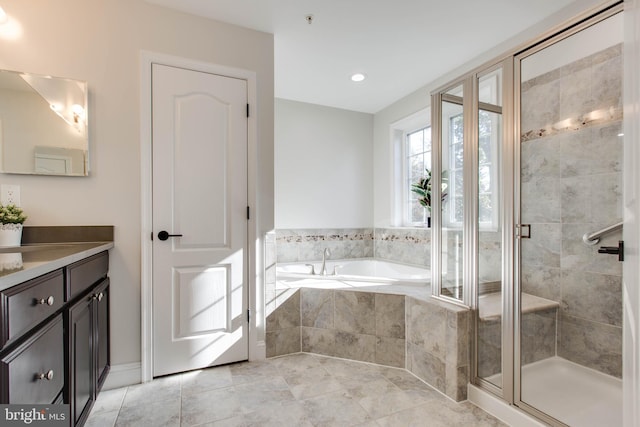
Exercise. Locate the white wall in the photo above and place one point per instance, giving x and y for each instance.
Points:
(323, 166)
(99, 41)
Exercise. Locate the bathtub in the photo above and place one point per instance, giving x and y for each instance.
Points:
(364, 270)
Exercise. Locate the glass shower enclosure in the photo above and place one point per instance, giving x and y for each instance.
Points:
(528, 162)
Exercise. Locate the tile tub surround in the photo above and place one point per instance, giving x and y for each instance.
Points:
(571, 185)
(309, 244)
(404, 245)
(428, 337)
(295, 390)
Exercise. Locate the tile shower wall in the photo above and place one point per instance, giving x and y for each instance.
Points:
(571, 185)
(405, 245)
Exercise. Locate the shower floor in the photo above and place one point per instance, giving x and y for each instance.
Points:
(571, 393)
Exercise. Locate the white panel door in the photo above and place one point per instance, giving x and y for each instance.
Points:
(199, 135)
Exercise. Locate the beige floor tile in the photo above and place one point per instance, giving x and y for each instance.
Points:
(297, 390)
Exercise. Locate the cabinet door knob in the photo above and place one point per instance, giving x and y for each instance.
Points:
(48, 301)
(46, 376)
(98, 296)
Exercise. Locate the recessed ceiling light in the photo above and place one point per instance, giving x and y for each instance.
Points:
(358, 77)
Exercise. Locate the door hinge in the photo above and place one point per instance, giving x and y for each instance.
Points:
(247, 110)
(248, 315)
(152, 235)
(248, 213)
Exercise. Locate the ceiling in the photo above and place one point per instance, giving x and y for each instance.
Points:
(399, 45)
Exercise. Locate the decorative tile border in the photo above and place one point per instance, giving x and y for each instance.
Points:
(405, 245)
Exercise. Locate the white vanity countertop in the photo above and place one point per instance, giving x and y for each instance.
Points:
(39, 259)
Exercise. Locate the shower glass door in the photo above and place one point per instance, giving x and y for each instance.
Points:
(569, 297)
(452, 193)
(489, 319)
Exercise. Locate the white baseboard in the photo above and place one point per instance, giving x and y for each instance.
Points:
(123, 375)
(500, 409)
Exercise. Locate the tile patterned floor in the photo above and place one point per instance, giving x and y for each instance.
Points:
(295, 390)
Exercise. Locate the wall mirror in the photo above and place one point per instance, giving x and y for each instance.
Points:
(43, 125)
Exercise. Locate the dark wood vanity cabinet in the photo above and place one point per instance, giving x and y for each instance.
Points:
(54, 337)
(88, 340)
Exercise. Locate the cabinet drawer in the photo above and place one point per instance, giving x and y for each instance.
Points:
(83, 274)
(35, 370)
(26, 305)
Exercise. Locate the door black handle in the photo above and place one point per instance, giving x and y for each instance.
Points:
(613, 250)
(163, 235)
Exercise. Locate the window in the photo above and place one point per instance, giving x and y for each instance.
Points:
(411, 139)
(417, 158)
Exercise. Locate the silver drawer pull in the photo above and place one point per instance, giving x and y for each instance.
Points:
(98, 296)
(48, 376)
(47, 301)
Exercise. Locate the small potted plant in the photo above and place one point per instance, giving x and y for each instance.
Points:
(423, 189)
(11, 219)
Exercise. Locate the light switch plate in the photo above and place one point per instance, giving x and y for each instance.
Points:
(10, 194)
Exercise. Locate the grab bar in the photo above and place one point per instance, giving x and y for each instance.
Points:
(594, 238)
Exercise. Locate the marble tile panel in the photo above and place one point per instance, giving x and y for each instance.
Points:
(591, 344)
(337, 408)
(390, 351)
(541, 200)
(160, 413)
(592, 296)
(212, 405)
(576, 199)
(102, 419)
(458, 337)
(166, 388)
(544, 246)
(355, 312)
(575, 92)
(317, 308)
(542, 281)
(606, 84)
(591, 151)
(270, 344)
(350, 372)
(539, 157)
(489, 348)
(195, 382)
(606, 193)
(286, 341)
(538, 335)
(296, 363)
(456, 380)
(381, 398)
(352, 346)
(389, 315)
(248, 372)
(262, 394)
(288, 311)
(319, 341)
(441, 413)
(540, 105)
(427, 324)
(311, 383)
(109, 400)
(281, 414)
(427, 367)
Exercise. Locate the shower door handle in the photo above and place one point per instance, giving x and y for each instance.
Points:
(613, 250)
(521, 233)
